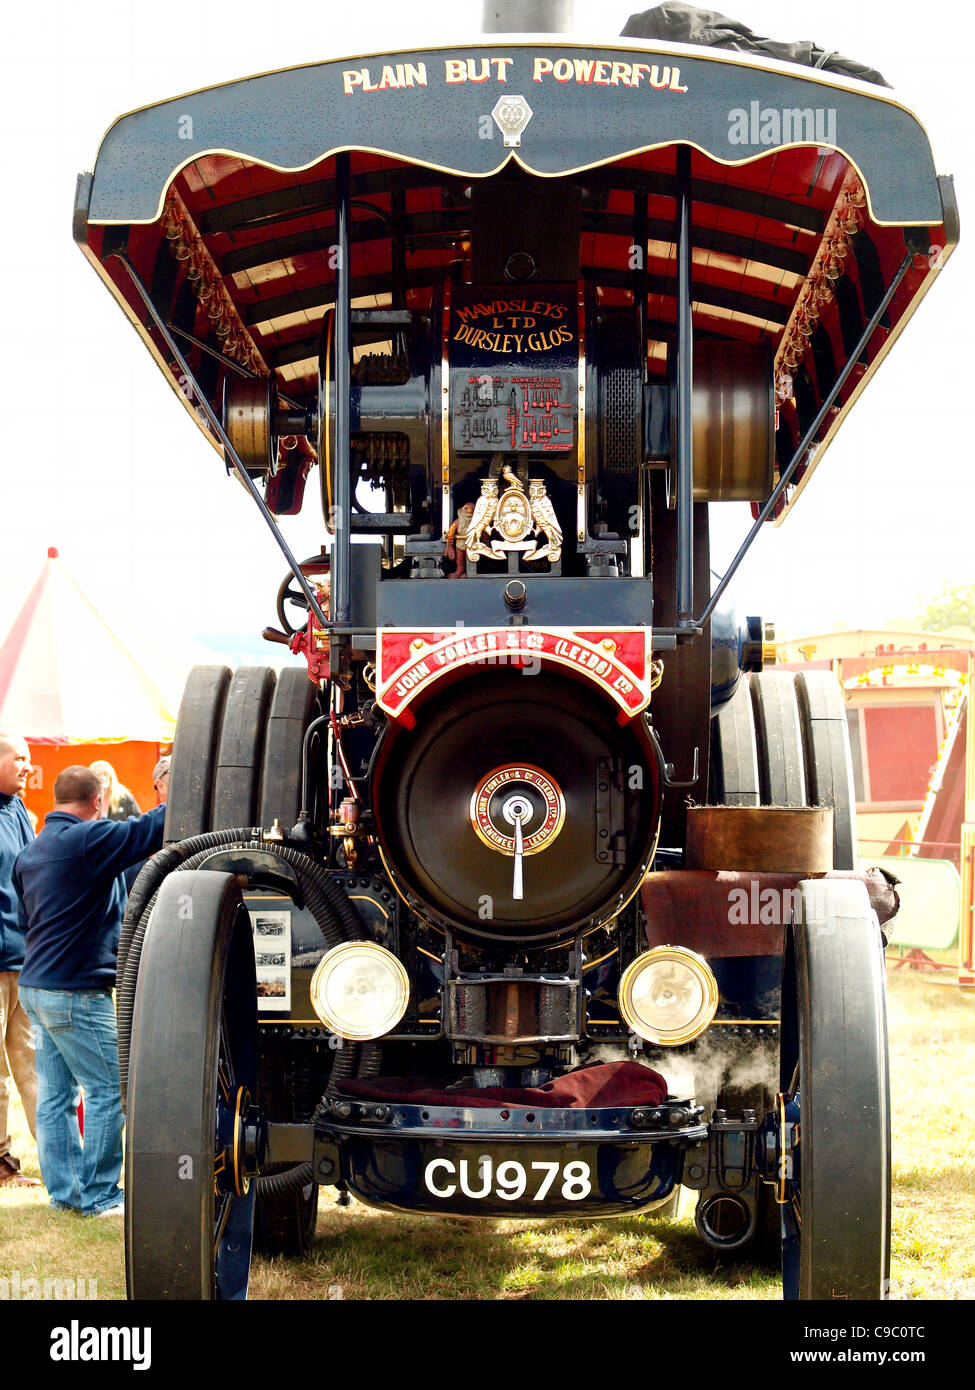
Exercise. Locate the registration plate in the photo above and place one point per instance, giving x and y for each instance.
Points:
(481, 1177)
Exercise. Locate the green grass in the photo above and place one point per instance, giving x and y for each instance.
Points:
(360, 1253)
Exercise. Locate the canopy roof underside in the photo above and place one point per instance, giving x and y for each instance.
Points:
(790, 244)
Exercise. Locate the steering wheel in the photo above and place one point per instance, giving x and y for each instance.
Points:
(289, 591)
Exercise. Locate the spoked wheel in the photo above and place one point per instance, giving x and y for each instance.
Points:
(284, 1222)
(756, 760)
(194, 1137)
(833, 1113)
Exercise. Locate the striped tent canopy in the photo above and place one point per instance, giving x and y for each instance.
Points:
(67, 677)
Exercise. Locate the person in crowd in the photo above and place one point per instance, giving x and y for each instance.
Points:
(160, 780)
(119, 801)
(16, 1041)
(70, 881)
(160, 783)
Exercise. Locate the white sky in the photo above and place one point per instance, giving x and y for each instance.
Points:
(98, 458)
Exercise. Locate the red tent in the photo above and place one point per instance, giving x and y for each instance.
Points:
(70, 685)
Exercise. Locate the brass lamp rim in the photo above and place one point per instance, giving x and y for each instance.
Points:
(703, 1017)
(328, 961)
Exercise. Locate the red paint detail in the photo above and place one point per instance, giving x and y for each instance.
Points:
(396, 649)
(631, 648)
(400, 685)
(52, 552)
(304, 644)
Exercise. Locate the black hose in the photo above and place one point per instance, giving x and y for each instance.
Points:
(153, 872)
(334, 915)
(137, 910)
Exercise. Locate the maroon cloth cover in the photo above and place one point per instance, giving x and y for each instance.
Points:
(605, 1084)
(737, 913)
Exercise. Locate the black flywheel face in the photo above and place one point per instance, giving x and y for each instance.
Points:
(516, 808)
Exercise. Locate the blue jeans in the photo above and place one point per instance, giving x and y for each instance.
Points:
(76, 1041)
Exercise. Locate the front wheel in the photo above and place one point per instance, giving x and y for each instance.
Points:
(833, 1113)
(194, 1137)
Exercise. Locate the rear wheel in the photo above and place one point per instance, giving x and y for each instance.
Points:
(189, 808)
(734, 752)
(829, 763)
(194, 1137)
(757, 760)
(834, 1106)
(237, 780)
(778, 739)
(296, 703)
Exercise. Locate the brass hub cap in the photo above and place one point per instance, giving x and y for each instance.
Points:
(517, 791)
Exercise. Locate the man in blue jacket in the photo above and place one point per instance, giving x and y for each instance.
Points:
(71, 880)
(16, 1043)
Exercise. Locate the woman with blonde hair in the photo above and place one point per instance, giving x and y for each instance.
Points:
(118, 803)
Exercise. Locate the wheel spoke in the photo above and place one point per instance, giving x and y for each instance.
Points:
(223, 1082)
(222, 1223)
(226, 1062)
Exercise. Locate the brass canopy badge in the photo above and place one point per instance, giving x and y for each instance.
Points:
(514, 520)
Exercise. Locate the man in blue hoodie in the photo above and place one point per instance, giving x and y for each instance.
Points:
(16, 1043)
(71, 880)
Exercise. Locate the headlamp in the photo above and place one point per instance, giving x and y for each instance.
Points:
(360, 990)
(668, 995)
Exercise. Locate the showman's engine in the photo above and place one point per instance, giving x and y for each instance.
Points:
(519, 864)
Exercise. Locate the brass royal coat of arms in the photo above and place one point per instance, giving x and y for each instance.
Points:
(514, 520)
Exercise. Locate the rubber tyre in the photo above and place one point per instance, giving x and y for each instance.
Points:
(284, 1224)
(237, 780)
(834, 1030)
(296, 703)
(194, 760)
(778, 739)
(829, 763)
(193, 1059)
(734, 752)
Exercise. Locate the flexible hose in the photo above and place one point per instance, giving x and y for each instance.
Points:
(153, 872)
(334, 915)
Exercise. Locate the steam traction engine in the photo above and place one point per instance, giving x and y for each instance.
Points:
(525, 889)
